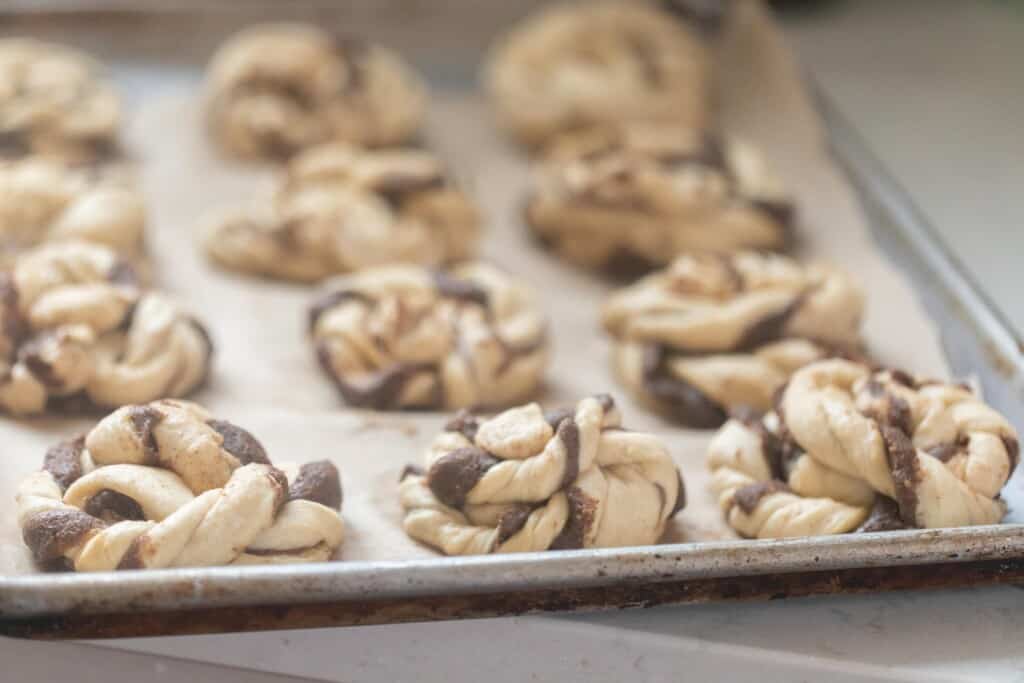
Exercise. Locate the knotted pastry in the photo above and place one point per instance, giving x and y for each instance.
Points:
(711, 333)
(166, 485)
(768, 488)
(275, 89)
(75, 328)
(44, 201)
(630, 199)
(849, 448)
(526, 481)
(583, 64)
(339, 209)
(55, 102)
(408, 337)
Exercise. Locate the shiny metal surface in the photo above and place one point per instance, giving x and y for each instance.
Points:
(313, 583)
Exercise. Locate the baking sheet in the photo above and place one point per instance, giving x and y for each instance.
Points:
(266, 378)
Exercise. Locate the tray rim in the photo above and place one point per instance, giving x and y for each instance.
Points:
(211, 587)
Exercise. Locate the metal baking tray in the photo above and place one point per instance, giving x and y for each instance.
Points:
(978, 340)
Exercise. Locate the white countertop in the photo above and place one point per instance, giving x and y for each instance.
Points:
(968, 635)
(937, 89)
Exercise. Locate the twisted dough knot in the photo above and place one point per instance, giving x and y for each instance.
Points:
(54, 101)
(767, 487)
(631, 199)
(340, 210)
(711, 333)
(578, 65)
(166, 485)
(845, 438)
(43, 201)
(408, 337)
(526, 481)
(74, 328)
(275, 89)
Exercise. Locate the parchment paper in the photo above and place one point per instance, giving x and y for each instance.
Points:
(266, 378)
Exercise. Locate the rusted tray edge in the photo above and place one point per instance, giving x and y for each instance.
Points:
(161, 590)
(371, 611)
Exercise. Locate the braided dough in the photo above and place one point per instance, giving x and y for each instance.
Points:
(751, 465)
(408, 337)
(711, 333)
(55, 102)
(582, 64)
(45, 201)
(526, 481)
(166, 485)
(339, 209)
(849, 448)
(75, 328)
(630, 199)
(275, 89)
